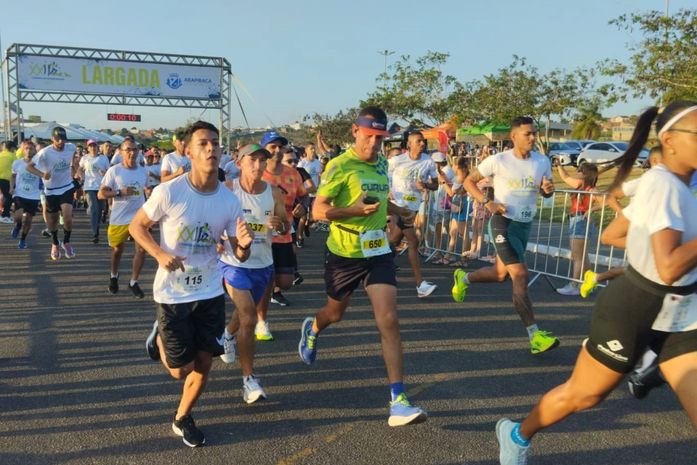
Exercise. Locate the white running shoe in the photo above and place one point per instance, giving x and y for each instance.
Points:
(262, 331)
(251, 390)
(425, 289)
(230, 347)
(569, 289)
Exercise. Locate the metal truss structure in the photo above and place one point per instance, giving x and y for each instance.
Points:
(16, 95)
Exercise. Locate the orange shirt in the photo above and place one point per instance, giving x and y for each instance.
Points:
(291, 186)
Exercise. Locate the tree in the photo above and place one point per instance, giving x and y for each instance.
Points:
(663, 64)
(415, 91)
(521, 89)
(336, 129)
(587, 122)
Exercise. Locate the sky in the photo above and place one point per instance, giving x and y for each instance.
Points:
(293, 58)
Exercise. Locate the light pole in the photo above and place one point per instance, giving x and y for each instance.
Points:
(386, 53)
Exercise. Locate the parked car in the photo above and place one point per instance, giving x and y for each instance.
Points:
(603, 152)
(579, 144)
(561, 153)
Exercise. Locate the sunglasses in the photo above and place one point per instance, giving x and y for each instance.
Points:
(292, 161)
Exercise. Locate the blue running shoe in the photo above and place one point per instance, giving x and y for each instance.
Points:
(15, 231)
(510, 453)
(306, 347)
(403, 413)
(22, 244)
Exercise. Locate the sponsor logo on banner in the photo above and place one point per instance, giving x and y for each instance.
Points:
(47, 71)
(174, 81)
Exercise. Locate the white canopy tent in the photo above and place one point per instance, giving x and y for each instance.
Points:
(74, 132)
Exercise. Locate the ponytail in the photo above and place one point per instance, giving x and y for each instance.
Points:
(636, 144)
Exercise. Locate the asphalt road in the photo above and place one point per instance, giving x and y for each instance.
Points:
(76, 386)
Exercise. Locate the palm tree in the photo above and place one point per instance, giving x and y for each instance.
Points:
(587, 122)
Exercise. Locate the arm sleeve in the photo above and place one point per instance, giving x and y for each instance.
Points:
(155, 206)
(109, 179)
(332, 181)
(487, 167)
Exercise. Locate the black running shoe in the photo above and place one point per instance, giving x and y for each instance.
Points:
(135, 289)
(151, 343)
(298, 280)
(46, 233)
(113, 285)
(641, 383)
(186, 428)
(299, 243)
(95, 239)
(278, 299)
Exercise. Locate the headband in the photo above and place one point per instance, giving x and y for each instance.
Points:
(666, 127)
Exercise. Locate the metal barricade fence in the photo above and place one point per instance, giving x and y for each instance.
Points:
(552, 251)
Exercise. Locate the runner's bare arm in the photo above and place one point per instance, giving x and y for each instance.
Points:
(139, 229)
(280, 220)
(470, 185)
(615, 234)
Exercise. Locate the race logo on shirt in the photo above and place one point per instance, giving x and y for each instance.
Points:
(61, 166)
(197, 238)
(527, 183)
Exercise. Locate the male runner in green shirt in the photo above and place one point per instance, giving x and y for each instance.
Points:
(353, 196)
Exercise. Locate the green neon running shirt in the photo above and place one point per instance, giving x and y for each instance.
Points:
(343, 182)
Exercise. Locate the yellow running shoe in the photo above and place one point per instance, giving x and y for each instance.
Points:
(459, 289)
(589, 283)
(542, 341)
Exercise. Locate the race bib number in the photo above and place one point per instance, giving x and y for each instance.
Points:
(678, 314)
(524, 214)
(374, 243)
(193, 279)
(257, 227)
(410, 198)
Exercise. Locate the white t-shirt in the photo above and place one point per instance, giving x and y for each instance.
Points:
(517, 182)
(629, 187)
(155, 169)
(58, 164)
(232, 171)
(26, 184)
(661, 202)
(124, 207)
(173, 161)
(313, 168)
(404, 173)
(93, 168)
(191, 223)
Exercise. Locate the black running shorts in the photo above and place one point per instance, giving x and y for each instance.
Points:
(284, 260)
(343, 275)
(54, 202)
(510, 238)
(621, 323)
(190, 327)
(29, 206)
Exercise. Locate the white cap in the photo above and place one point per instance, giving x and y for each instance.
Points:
(438, 157)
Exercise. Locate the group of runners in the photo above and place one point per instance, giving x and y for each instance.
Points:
(240, 237)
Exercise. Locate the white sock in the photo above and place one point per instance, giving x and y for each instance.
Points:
(114, 275)
(226, 333)
(466, 278)
(531, 330)
(133, 282)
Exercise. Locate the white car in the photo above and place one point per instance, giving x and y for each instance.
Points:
(604, 152)
(561, 153)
